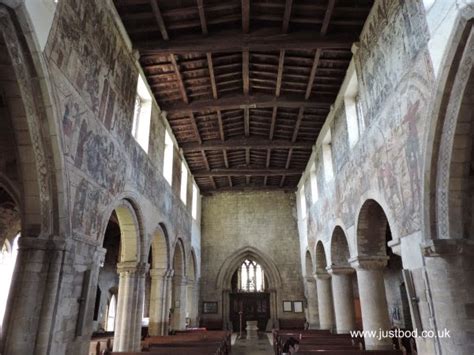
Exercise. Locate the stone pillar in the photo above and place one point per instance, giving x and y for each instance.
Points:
(190, 305)
(450, 269)
(343, 298)
(33, 295)
(312, 297)
(158, 316)
(373, 301)
(179, 302)
(130, 306)
(325, 303)
(167, 302)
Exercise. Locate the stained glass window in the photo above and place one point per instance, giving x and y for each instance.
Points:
(251, 277)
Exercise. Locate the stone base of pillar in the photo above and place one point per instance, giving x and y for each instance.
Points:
(252, 329)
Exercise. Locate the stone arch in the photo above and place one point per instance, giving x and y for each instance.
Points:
(309, 267)
(321, 260)
(39, 163)
(231, 264)
(449, 145)
(372, 227)
(339, 250)
(160, 248)
(179, 258)
(192, 266)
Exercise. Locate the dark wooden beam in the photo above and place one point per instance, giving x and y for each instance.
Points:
(245, 16)
(246, 122)
(159, 19)
(312, 75)
(247, 156)
(298, 124)
(281, 62)
(286, 16)
(327, 16)
(246, 172)
(244, 143)
(253, 41)
(182, 89)
(202, 16)
(273, 124)
(252, 101)
(247, 188)
(210, 65)
(245, 71)
(195, 127)
(221, 125)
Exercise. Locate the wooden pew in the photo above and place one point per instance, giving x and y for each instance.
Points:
(350, 352)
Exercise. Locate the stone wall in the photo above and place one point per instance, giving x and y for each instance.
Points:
(92, 77)
(264, 223)
(396, 87)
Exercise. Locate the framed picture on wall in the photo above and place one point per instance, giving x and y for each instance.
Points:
(209, 307)
(298, 306)
(287, 306)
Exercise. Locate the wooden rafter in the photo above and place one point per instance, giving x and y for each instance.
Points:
(245, 143)
(202, 16)
(245, 71)
(281, 63)
(247, 172)
(286, 16)
(251, 101)
(159, 19)
(210, 65)
(252, 41)
(182, 88)
(245, 16)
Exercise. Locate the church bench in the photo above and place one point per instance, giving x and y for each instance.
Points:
(174, 351)
(350, 352)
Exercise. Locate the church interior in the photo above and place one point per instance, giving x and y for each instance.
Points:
(246, 177)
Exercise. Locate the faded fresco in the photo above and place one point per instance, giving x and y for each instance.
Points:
(395, 86)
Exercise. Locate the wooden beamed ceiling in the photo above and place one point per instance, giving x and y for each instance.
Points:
(246, 84)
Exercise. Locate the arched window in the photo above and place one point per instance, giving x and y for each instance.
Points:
(8, 254)
(111, 314)
(251, 277)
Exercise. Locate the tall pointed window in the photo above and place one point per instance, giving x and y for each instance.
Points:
(314, 183)
(194, 210)
(354, 116)
(251, 277)
(327, 157)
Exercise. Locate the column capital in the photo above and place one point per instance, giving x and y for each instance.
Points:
(339, 270)
(368, 262)
(158, 273)
(321, 275)
(132, 267)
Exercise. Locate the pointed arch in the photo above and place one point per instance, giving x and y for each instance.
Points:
(309, 265)
(160, 248)
(321, 260)
(179, 258)
(229, 266)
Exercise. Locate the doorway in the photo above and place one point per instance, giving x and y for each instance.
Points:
(254, 306)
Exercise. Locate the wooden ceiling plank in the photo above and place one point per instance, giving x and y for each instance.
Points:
(159, 19)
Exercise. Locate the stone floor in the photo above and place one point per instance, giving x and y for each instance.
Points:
(260, 346)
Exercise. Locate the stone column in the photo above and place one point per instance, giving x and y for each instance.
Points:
(158, 316)
(450, 272)
(325, 303)
(373, 301)
(30, 310)
(312, 297)
(190, 302)
(167, 302)
(130, 306)
(343, 298)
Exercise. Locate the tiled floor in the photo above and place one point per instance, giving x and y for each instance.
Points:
(260, 346)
